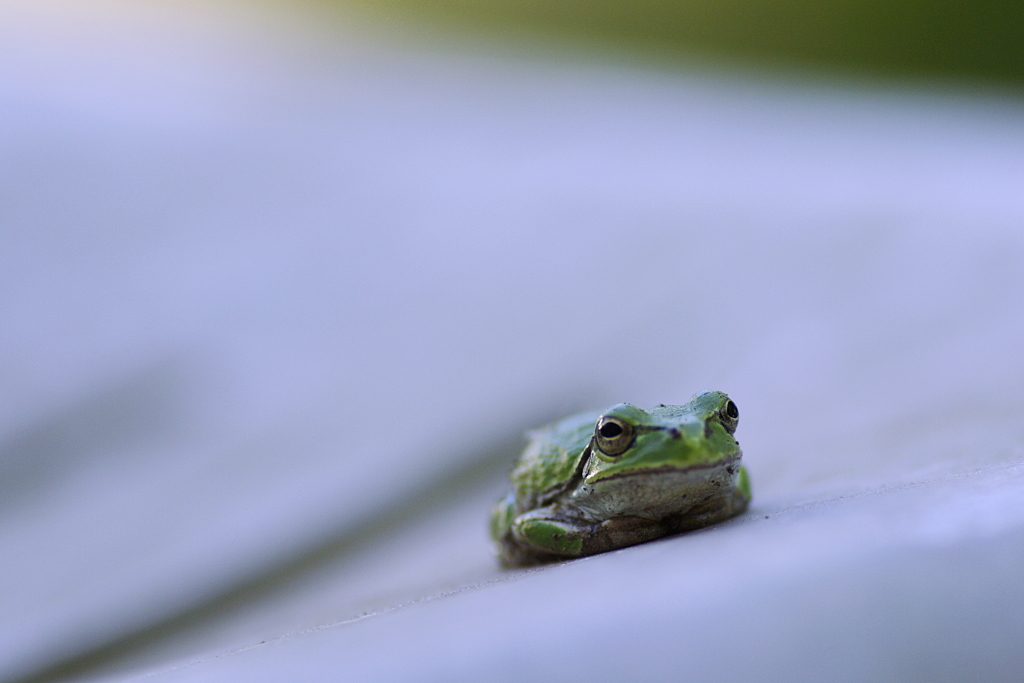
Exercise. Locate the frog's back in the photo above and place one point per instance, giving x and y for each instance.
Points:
(550, 459)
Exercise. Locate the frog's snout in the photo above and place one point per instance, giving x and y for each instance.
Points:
(693, 432)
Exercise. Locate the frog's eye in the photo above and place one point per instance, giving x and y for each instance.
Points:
(613, 436)
(731, 411)
(729, 415)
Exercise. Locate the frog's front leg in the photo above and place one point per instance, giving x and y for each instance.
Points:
(547, 532)
(743, 486)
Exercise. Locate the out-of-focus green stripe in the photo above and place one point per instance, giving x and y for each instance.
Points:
(973, 39)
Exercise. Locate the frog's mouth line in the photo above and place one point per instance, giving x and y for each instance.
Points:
(731, 463)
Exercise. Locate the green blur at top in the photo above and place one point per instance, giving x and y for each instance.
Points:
(978, 40)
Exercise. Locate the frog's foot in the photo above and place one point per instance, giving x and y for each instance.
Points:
(541, 532)
(743, 488)
(543, 535)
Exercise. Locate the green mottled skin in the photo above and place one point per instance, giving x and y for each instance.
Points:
(576, 491)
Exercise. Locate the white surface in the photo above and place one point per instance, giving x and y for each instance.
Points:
(260, 282)
(886, 590)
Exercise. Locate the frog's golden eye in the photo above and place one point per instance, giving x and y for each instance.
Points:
(729, 415)
(613, 436)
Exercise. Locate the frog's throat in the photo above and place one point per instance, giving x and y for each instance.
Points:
(732, 460)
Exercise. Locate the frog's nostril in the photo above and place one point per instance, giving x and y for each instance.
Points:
(674, 432)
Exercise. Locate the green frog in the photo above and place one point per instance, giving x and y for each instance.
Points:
(598, 481)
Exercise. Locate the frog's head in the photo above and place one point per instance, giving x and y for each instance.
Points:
(697, 436)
